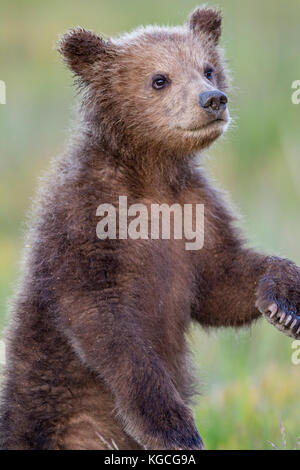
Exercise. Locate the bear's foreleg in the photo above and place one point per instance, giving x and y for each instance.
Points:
(108, 338)
(245, 284)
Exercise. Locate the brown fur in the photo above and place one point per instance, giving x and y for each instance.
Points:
(97, 345)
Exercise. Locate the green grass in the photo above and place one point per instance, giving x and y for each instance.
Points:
(249, 379)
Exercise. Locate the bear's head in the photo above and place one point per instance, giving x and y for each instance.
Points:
(156, 89)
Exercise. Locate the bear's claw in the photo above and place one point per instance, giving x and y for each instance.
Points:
(276, 316)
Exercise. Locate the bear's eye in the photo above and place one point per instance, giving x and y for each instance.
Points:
(209, 73)
(159, 82)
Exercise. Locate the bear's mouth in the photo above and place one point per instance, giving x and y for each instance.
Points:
(204, 126)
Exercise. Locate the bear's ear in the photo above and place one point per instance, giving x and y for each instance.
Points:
(208, 21)
(81, 49)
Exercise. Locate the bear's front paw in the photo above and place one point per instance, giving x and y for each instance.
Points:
(177, 432)
(284, 319)
(278, 296)
(187, 443)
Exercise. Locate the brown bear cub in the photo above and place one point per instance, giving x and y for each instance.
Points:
(97, 356)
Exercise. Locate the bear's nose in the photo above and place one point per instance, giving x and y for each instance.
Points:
(213, 102)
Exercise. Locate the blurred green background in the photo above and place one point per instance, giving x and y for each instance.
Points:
(248, 377)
